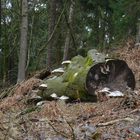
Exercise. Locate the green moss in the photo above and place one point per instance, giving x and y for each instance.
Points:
(72, 82)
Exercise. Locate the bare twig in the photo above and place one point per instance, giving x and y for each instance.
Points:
(115, 121)
(72, 130)
(7, 92)
(58, 132)
(135, 110)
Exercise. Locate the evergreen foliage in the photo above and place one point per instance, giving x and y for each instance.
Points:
(94, 24)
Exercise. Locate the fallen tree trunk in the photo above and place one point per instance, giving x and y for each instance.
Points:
(113, 74)
(81, 78)
(42, 74)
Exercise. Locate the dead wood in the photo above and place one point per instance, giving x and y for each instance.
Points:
(115, 121)
(113, 74)
(42, 74)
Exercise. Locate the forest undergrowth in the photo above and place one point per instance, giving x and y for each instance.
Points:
(114, 119)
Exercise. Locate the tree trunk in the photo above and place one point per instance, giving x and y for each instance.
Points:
(54, 7)
(23, 42)
(0, 24)
(138, 33)
(68, 35)
(5, 51)
(96, 28)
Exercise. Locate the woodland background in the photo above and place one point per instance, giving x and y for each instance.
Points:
(36, 34)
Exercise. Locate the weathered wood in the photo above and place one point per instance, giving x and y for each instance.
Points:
(43, 74)
(114, 74)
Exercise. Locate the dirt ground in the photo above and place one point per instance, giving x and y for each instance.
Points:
(113, 119)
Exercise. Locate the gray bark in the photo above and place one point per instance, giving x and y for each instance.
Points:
(138, 33)
(0, 24)
(23, 42)
(68, 35)
(54, 7)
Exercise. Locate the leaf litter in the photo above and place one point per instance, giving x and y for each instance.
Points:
(114, 118)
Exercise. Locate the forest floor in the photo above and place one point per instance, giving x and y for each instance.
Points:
(114, 119)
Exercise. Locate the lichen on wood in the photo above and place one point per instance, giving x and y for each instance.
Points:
(72, 82)
(83, 76)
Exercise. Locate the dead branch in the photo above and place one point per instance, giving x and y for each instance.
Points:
(135, 110)
(58, 132)
(43, 74)
(114, 121)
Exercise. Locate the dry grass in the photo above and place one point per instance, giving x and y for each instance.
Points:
(19, 93)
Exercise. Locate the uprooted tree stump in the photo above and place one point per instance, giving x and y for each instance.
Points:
(113, 73)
